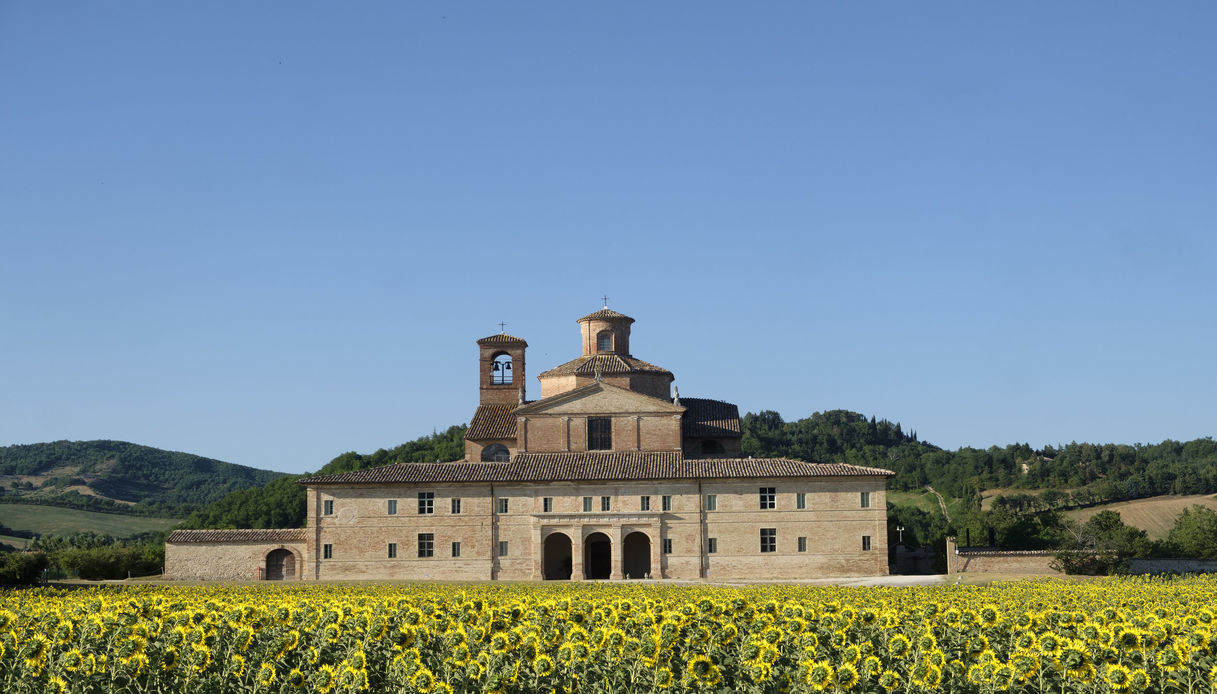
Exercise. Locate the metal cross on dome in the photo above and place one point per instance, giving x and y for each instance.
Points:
(605, 301)
(502, 328)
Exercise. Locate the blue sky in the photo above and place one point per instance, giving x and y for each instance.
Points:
(271, 232)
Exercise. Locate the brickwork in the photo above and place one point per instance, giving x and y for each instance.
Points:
(231, 561)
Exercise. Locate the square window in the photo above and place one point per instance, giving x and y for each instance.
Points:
(426, 502)
(327, 507)
(712, 502)
(599, 434)
(426, 544)
(327, 551)
(392, 550)
(644, 503)
(768, 497)
(712, 545)
(865, 499)
(502, 548)
(800, 500)
(456, 549)
(392, 507)
(866, 543)
(667, 502)
(769, 539)
(667, 545)
(547, 504)
(802, 544)
(587, 504)
(606, 503)
(502, 505)
(456, 506)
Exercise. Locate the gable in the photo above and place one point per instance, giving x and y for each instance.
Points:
(599, 398)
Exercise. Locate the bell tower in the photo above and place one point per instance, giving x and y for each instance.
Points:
(501, 370)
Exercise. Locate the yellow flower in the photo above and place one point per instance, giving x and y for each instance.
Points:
(889, 680)
(1118, 677)
(423, 680)
(543, 665)
(323, 679)
(266, 674)
(664, 678)
(847, 676)
(296, 679)
(1139, 679)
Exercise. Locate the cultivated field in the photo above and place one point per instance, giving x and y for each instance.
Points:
(52, 519)
(1155, 515)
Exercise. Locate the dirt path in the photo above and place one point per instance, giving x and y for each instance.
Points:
(941, 504)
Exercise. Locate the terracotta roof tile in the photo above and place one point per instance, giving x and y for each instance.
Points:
(492, 422)
(607, 364)
(247, 535)
(605, 314)
(594, 466)
(709, 418)
(502, 339)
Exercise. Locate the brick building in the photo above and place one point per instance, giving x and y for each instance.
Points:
(609, 475)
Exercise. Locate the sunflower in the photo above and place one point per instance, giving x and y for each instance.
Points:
(664, 678)
(296, 679)
(889, 680)
(704, 671)
(1139, 679)
(818, 674)
(847, 676)
(323, 679)
(1118, 677)
(266, 675)
(898, 646)
(423, 680)
(543, 665)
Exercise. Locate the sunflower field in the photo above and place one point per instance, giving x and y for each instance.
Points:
(1121, 635)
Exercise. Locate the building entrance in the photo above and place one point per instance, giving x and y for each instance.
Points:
(556, 562)
(636, 551)
(280, 565)
(597, 557)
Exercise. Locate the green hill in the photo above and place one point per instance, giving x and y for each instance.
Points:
(119, 477)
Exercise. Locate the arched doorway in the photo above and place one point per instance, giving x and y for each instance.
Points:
(556, 562)
(597, 556)
(280, 565)
(636, 551)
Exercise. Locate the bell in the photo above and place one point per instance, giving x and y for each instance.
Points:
(507, 366)
(496, 366)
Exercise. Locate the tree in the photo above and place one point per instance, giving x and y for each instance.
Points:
(1101, 546)
(1194, 534)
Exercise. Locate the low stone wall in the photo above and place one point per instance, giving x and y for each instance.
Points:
(1172, 566)
(992, 560)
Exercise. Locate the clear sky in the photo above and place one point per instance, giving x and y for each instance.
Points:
(271, 232)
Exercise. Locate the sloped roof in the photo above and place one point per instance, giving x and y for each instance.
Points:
(605, 314)
(247, 535)
(502, 339)
(709, 418)
(492, 422)
(595, 466)
(606, 364)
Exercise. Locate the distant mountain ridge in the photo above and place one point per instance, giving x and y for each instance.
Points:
(120, 477)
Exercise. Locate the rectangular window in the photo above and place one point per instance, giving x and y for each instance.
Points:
(606, 503)
(712, 502)
(327, 551)
(666, 502)
(587, 504)
(392, 550)
(547, 504)
(712, 545)
(426, 544)
(456, 549)
(456, 506)
(802, 544)
(769, 497)
(800, 500)
(769, 539)
(426, 502)
(502, 505)
(865, 499)
(667, 545)
(866, 543)
(392, 507)
(644, 503)
(502, 548)
(327, 507)
(599, 434)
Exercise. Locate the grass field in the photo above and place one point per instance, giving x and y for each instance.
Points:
(927, 502)
(52, 519)
(18, 542)
(1155, 515)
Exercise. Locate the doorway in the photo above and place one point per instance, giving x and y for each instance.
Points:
(597, 557)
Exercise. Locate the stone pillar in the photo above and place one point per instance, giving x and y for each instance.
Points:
(657, 552)
(952, 558)
(618, 554)
(576, 553)
(538, 553)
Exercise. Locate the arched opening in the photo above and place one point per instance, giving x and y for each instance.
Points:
(500, 370)
(496, 453)
(597, 556)
(280, 565)
(556, 562)
(636, 552)
(712, 447)
(604, 341)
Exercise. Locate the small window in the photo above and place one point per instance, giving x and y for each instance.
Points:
(456, 506)
(496, 453)
(666, 502)
(327, 507)
(392, 550)
(667, 545)
(769, 539)
(426, 503)
(604, 341)
(768, 497)
(599, 434)
(865, 499)
(587, 504)
(866, 543)
(547, 504)
(502, 505)
(502, 548)
(392, 507)
(712, 502)
(456, 550)
(426, 544)
(644, 503)
(800, 500)
(327, 551)
(606, 503)
(712, 545)
(802, 544)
